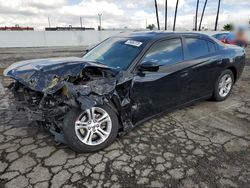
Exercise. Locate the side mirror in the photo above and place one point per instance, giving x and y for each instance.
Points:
(149, 66)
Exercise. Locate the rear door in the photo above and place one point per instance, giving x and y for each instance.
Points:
(201, 53)
(154, 92)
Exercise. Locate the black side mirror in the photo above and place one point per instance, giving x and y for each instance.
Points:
(149, 66)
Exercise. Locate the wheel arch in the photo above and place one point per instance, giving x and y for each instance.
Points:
(234, 71)
(115, 106)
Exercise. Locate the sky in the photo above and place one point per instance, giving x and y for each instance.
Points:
(134, 14)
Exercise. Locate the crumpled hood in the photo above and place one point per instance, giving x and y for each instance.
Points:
(38, 74)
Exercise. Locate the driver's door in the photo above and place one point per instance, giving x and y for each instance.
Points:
(155, 92)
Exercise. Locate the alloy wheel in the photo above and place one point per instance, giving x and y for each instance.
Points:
(93, 126)
(225, 85)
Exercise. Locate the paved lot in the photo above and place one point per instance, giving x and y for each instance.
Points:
(203, 145)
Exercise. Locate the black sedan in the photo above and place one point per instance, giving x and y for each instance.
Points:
(86, 102)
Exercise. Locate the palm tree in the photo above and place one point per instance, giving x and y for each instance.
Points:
(202, 14)
(166, 14)
(196, 15)
(217, 16)
(157, 16)
(176, 8)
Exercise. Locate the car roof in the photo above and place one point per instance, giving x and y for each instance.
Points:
(154, 35)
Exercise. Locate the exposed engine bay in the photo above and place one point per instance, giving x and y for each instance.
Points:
(48, 93)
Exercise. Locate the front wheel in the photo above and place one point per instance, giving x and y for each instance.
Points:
(91, 129)
(223, 85)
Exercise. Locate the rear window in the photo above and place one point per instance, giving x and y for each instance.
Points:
(196, 47)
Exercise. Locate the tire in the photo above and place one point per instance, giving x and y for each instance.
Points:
(76, 138)
(218, 95)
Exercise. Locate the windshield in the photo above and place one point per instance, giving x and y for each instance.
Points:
(115, 52)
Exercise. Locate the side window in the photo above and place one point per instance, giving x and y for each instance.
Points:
(166, 52)
(211, 46)
(196, 47)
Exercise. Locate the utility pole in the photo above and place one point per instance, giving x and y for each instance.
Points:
(166, 14)
(81, 21)
(175, 14)
(49, 22)
(217, 16)
(157, 16)
(196, 15)
(100, 21)
(202, 14)
(194, 23)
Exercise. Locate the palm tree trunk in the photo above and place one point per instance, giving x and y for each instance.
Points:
(202, 14)
(176, 8)
(217, 16)
(196, 15)
(166, 14)
(157, 16)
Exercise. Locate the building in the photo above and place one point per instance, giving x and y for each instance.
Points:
(69, 28)
(16, 28)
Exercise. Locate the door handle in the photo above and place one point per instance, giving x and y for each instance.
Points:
(184, 74)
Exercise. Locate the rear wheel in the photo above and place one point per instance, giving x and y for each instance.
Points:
(91, 129)
(224, 85)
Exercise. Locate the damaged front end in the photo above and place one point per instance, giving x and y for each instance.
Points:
(47, 90)
(46, 110)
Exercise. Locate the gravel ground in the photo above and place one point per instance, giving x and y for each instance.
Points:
(203, 145)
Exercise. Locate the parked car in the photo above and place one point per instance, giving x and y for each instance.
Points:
(231, 38)
(221, 37)
(125, 80)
